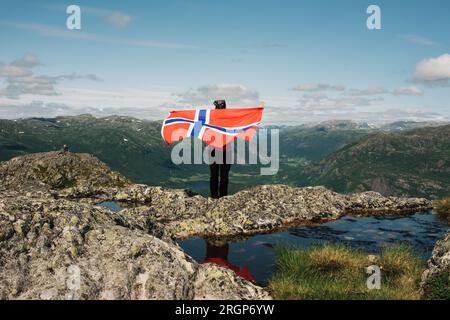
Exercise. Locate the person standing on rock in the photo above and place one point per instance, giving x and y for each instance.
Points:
(217, 128)
(218, 188)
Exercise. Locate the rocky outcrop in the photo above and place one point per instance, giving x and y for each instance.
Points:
(373, 203)
(435, 282)
(181, 213)
(60, 249)
(56, 243)
(257, 210)
(58, 170)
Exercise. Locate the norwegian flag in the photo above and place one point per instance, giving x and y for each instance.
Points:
(217, 127)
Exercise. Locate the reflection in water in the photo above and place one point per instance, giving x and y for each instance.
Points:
(371, 234)
(217, 253)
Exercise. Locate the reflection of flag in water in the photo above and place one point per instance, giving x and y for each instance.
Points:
(217, 127)
(243, 272)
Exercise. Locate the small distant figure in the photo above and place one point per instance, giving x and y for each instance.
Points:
(65, 148)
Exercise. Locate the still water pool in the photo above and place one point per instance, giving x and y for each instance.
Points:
(111, 205)
(255, 256)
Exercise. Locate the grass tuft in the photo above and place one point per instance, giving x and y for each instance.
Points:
(442, 207)
(335, 272)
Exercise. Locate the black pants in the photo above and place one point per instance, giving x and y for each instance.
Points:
(219, 189)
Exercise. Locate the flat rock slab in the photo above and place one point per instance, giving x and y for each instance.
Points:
(260, 209)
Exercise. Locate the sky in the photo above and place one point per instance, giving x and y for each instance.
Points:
(305, 61)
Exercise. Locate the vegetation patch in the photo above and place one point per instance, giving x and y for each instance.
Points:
(438, 287)
(336, 272)
(442, 208)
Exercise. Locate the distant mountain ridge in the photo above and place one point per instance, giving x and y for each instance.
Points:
(336, 154)
(411, 162)
(134, 147)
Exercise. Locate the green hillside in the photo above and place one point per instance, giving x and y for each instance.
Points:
(341, 155)
(128, 145)
(415, 162)
(135, 148)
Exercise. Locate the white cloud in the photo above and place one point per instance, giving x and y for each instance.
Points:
(272, 114)
(373, 90)
(416, 39)
(27, 61)
(38, 108)
(155, 103)
(284, 115)
(315, 95)
(57, 32)
(408, 91)
(116, 18)
(342, 99)
(323, 102)
(234, 94)
(20, 79)
(308, 87)
(348, 97)
(27, 95)
(9, 70)
(433, 70)
(119, 19)
(76, 76)
(149, 102)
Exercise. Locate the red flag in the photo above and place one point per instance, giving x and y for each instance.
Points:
(217, 127)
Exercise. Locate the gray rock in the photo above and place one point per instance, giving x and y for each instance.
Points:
(60, 249)
(58, 170)
(260, 209)
(435, 282)
(215, 283)
(56, 244)
(373, 203)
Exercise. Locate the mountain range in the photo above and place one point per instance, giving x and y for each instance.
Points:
(402, 158)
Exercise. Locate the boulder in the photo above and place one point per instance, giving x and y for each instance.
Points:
(58, 170)
(435, 282)
(60, 249)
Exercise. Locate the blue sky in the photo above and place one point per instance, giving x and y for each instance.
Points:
(304, 60)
